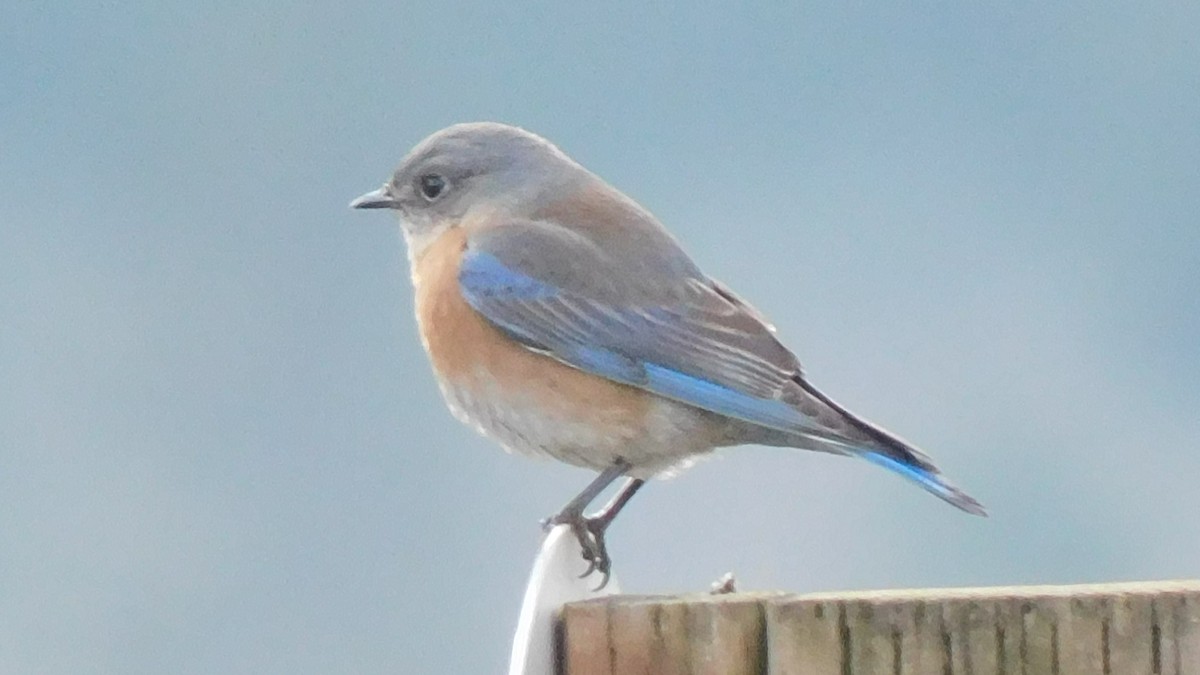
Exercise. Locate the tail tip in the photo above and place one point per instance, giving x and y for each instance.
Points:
(932, 481)
(965, 502)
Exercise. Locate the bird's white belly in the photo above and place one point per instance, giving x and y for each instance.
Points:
(665, 439)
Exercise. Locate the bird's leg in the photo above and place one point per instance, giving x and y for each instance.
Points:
(597, 525)
(573, 511)
(589, 531)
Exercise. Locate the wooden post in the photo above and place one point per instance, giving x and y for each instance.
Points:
(1107, 629)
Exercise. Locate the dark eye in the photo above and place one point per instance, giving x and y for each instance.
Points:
(432, 186)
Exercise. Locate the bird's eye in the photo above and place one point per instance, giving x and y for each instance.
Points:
(432, 186)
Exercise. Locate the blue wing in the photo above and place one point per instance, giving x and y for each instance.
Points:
(683, 338)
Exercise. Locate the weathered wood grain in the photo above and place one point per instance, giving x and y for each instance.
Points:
(703, 635)
(1105, 629)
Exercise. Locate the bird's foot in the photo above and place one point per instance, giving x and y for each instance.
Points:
(589, 532)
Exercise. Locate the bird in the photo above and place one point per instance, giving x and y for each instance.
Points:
(563, 320)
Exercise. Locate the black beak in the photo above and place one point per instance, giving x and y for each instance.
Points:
(376, 199)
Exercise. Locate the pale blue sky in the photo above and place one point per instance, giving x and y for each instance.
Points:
(221, 449)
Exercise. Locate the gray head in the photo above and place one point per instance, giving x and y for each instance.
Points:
(468, 166)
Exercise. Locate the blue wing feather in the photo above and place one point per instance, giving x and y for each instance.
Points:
(719, 399)
(485, 279)
(483, 274)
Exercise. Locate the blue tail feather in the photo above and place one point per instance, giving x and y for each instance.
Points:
(930, 480)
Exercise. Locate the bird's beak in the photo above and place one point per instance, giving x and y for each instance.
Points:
(376, 199)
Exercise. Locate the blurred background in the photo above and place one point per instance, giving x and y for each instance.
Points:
(221, 449)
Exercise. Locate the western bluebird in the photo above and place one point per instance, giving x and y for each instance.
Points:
(563, 320)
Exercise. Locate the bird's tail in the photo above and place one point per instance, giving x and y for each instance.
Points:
(862, 438)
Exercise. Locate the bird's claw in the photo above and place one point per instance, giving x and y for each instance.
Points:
(589, 532)
(595, 550)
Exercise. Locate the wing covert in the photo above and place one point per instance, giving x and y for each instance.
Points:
(683, 337)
